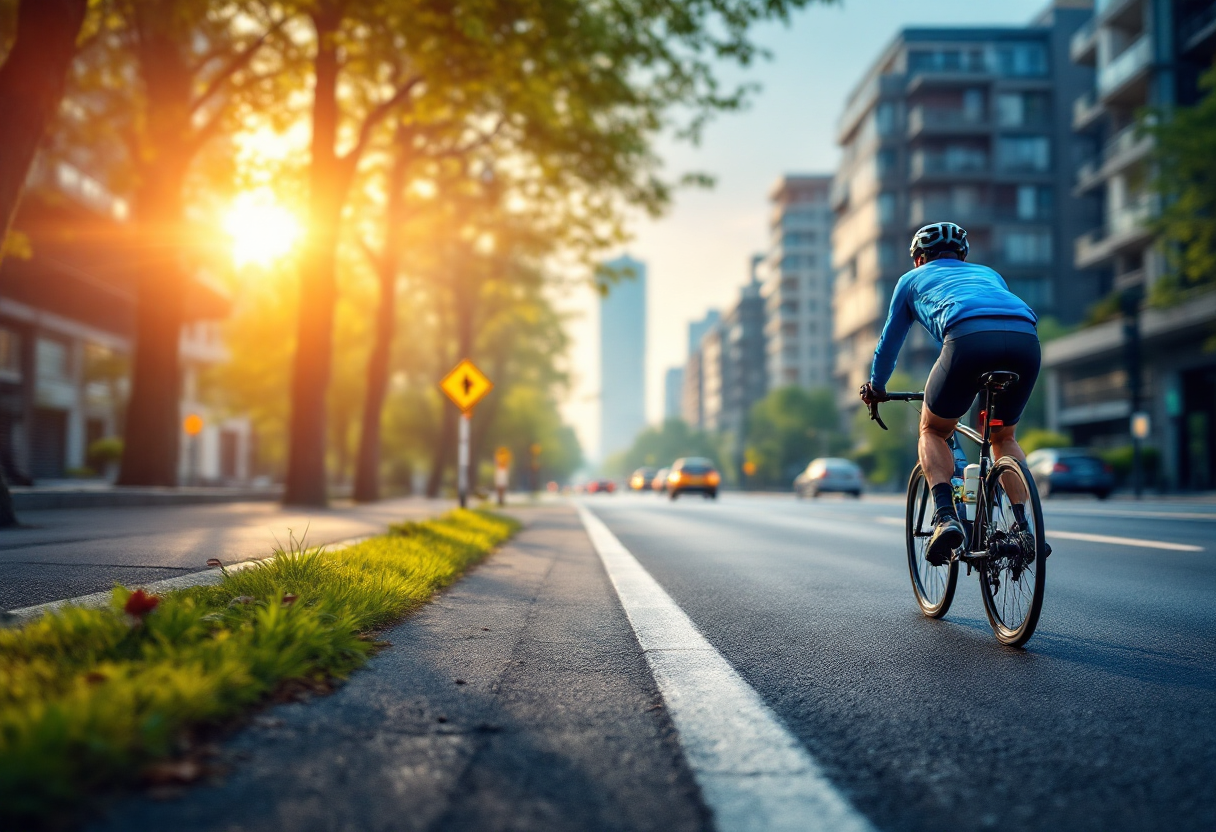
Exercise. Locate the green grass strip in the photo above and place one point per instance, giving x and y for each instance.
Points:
(88, 697)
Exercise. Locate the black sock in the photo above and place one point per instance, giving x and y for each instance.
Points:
(943, 498)
(1019, 514)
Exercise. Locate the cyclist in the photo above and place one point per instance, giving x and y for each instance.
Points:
(982, 327)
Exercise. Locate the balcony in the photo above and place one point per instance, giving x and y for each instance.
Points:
(1083, 48)
(1117, 81)
(1085, 112)
(939, 120)
(1125, 230)
(964, 165)
(1127, 147)
(922, 213)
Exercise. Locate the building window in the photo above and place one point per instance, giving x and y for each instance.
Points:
(51, 356)
(884, 118)
(884, 162)
(789, 306)
(10, 355)
(790, 352)
(812, 328)
(886, 209)
(1021, 60)
(1022, 109)
(789, 284)
(887, 256)
(1027, 248)
(789, 330)
(1030, 153)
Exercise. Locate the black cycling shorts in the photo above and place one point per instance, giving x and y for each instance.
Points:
(955, 378)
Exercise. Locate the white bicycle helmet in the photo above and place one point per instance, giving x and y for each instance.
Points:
(939, 237)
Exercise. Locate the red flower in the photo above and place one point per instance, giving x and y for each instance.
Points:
(140, 603)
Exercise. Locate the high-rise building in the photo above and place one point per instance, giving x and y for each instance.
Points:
(971, 125)
(697, 329)
(744, 380)
(623, 357)
(673, 392)
(692, 405)
(713, 377)
(797, 282)
(1144, 55)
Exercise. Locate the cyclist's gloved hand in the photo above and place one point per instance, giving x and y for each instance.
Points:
(871, 395)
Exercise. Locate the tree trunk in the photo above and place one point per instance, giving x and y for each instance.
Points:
(367, 465)
(152, 438)
(443, 449)
(31, 86)
(306, 485)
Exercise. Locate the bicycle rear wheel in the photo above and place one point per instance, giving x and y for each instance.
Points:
(933, 585)
(1013, 575)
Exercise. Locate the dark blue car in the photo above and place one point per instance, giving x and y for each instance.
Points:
(1070, 471)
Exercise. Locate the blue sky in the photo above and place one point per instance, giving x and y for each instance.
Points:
(698, 253)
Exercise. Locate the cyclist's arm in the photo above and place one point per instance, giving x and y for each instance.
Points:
(899, 321)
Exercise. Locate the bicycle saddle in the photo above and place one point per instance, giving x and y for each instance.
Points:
(998, 379)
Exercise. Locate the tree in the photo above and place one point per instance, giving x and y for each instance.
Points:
(31, 87)
(788, 428)
(1186, 187)
(887, 456)
(194, 66)
(590, 83)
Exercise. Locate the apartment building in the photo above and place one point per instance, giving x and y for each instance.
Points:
(971, 125)
(673, 392)
(796, 276)
(692, 407)
(1146, 56)
(67, 321)
(744, 376)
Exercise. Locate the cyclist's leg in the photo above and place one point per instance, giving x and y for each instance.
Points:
(1022, 356)
(1004, 443)
(936, 457)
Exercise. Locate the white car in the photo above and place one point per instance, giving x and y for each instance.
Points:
(830, 474)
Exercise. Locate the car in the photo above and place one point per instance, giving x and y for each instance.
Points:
(642, 478)
(830, 474)
(1071, 471)
(693, 475)
(601, 487)
(659, 483)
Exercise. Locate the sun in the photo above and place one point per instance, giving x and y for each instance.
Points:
(262, 230)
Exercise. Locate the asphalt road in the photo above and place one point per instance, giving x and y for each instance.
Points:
(66, 553)
(1106, 721)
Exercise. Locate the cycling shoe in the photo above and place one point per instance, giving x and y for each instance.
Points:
(947, 536)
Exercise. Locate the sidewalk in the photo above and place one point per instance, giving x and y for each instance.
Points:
(519, 699)
(67, 553)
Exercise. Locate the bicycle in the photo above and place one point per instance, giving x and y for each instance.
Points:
(1010, 559)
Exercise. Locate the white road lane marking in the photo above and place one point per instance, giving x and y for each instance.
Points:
(1125, 541)
(753, 774)
(1088, 538)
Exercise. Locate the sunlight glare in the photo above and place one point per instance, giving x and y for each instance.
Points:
(262, 231)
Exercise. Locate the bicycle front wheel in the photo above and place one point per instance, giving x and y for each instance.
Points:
(1013, 575)
(932, 585)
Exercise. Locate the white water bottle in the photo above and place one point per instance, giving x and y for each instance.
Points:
(971, 482)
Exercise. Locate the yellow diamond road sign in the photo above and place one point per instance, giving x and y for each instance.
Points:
(466, 385)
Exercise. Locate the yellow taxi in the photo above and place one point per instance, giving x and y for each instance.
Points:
(693, 475)
(641, 479)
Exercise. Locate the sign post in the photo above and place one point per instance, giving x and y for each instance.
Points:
(465, 385)
(502, 468)
(193, 426)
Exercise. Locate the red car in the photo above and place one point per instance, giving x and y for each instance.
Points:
(601, 487)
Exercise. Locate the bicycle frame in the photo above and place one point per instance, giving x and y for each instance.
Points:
(983, 438)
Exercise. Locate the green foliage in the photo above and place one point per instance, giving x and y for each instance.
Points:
(1186, 187)
(90, 696)
(787, 429)
(659, 447)
(105, 450)
(1033, 440)
(888, 456)
(1121, 460)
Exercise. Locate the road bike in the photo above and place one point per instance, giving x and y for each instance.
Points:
(1009, 556)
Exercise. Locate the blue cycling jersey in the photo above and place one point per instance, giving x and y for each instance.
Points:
(940, 294)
